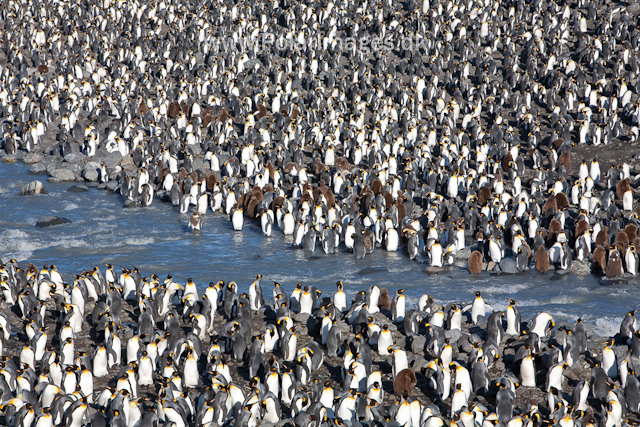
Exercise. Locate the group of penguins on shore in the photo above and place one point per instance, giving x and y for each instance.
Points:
(232, 358)
(463, 139)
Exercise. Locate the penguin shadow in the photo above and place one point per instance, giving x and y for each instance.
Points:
(334, 368)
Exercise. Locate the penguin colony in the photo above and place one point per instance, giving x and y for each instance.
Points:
(123, 350)
(264, 111)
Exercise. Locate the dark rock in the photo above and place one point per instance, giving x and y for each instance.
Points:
(372, 270)
(112, 160)
(508, 266)
(301, 317)
(62, 175)
(32, 158)
(132, 204)
(48, 221)
(453, 335)
(91, 171)
(111, 185)
(615, 281)
(38, 168)
(77, 189)
(34, 187)
(75, 157)
(433, 270)
(382, 319)
(418, 343)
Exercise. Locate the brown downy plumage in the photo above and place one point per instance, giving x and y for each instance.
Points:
(542, 260)
(405, 381)
(474, 263)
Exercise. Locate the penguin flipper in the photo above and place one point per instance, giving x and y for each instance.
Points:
(468, 307)
(487, 307)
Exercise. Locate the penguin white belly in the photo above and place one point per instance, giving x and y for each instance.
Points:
(477, 309)
(511, 323)
(528, 372)
(237, 220)
(145, 372)
(458, 401)
(385, 340)
(392, 240)
(340, 301)
(306, 303)
(609, 363)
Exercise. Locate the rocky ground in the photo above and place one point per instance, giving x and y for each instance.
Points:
(461, 341)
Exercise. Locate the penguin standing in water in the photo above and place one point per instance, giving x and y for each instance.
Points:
(359, 249)
(195, 222)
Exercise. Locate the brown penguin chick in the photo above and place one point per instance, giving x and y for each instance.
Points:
(43, 69)
(290, 167)
(174, 109)
(384, 302)
(252, 205)
(369, 240)
(581, 227)
(554, 227)
(388, 199)
(506, 162)
(207, 119)
(558, 143)
(480, 235)
(565, 160)
(614, 265)
(277, 203)
(405, 381)
(632, 231)
(376, 186)
(602, 239)
(182, 174)
(319, 166)
(484, 194)
(328, 194)
(599, 260)
(32, 270)
(295, 113)
(623, 238)
(474, 263)
(621, 247)
(262, 112)
(212, 179)
(550, 206)
(271, 169)
(223, 115)
(342, 164)
(562, 201)
(636, 242)
(526, 246)
(402, 210)
(542, 260)
(142, 108)
(622, 187)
